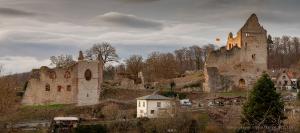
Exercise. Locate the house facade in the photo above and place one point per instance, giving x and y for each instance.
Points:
(154, 106)
(286, 80)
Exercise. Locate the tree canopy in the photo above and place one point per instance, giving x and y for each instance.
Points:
(62, 60)
(102, 51)
(264, 108)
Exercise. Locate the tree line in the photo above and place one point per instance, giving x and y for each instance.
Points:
(167, 65)
(283, 52)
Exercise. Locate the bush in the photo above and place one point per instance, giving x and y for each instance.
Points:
(173, 94)
(91, 129)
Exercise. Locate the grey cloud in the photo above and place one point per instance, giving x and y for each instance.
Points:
(138, 1)
(125, 20)
(15, 12)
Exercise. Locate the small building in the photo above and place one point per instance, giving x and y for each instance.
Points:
(286, 81)
(153, 106)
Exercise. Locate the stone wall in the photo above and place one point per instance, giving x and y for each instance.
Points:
(89, 90)
(242, 61)
(58, 81)
(65, 85)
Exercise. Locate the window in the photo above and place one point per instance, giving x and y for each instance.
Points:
(67, 75)
(59, 88)
(52, 75)
(283, 77)
(88, 74)
(143, 104)
(141, 111)
(253, 56)
(158, 104)
(139, 103)
(285, 82)
(47, 87)
(69, 88)
(152, 112)
(247, 34)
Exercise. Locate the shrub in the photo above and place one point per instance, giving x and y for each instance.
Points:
(91, 129)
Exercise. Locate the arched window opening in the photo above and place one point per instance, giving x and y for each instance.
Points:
(59, 88)
(88, 74)
(242, 83)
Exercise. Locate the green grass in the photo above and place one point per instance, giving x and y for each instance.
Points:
(49, 106)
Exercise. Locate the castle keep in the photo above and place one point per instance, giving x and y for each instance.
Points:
(78, 84)
(241, 62)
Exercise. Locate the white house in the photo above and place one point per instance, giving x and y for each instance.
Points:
(153, 106)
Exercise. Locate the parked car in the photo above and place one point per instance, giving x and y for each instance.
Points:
(185, 102)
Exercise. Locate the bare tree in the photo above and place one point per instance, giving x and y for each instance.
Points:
(1, 69)
(62, 60)
(160, 66)
(102, 51)
(134, 65)
(197, 56)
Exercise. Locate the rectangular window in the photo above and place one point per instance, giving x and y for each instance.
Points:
(47, 87)
(139, 103)
(158, 104)
(152, 112)
(69, 88)
(143, 104)
(59, 88)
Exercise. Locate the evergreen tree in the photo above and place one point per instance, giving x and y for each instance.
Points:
(264, 108)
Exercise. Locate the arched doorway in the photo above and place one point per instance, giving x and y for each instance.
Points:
(242, 83)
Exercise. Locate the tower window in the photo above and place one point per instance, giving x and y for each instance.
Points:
(88, 74)
(52, 75)
(59, 88)
(69, 88)
(47, 87)
(67, 74)
(253, 56)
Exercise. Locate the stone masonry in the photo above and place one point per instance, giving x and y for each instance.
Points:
(78, 84)
(240, 62)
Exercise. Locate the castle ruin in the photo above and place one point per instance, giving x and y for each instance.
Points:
(240, 63)
(78, 84)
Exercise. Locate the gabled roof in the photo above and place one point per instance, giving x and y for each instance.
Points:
(153, 97)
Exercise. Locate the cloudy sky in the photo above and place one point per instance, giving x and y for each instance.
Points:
(33, 30)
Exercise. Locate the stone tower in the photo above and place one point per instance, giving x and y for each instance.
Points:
(241, 61)
(90, 74)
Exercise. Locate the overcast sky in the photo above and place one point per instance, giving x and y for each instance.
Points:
(33, 30)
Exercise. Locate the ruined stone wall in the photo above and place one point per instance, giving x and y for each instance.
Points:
(89, 90)
(62, 87)
(244, 58)
(65, 85)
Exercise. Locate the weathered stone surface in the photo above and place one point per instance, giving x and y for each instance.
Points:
(65, 85)
(242, 60)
